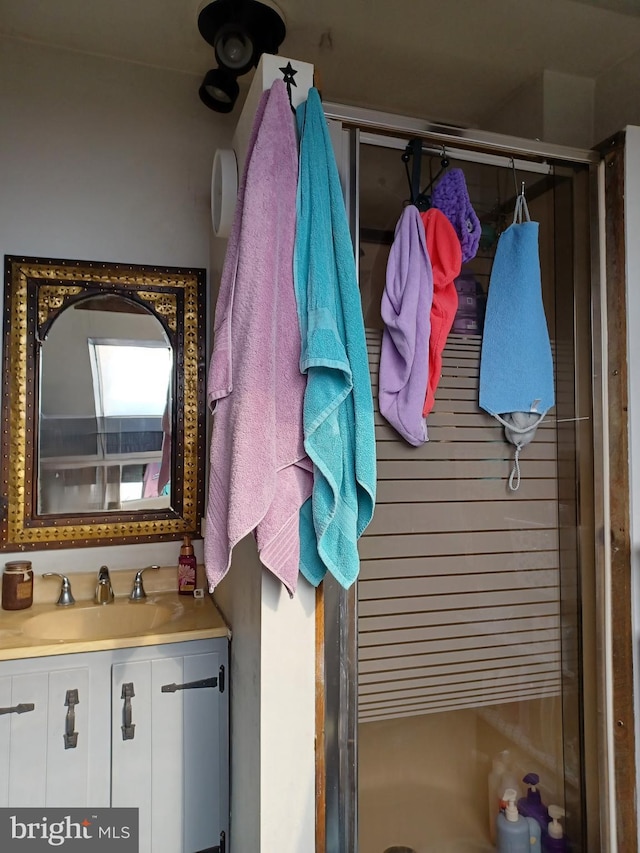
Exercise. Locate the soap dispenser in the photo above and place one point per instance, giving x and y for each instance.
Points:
(531, 805)
(186, 568)
(516, 833)
(555, 840)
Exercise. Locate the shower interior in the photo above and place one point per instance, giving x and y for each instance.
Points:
(476, 638)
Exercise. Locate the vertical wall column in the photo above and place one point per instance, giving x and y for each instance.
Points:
(273, 645)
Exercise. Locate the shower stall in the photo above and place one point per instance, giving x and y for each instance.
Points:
(471, 649)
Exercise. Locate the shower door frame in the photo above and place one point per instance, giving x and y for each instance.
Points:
(336, 619)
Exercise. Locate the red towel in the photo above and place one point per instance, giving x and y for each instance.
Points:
(445, 254)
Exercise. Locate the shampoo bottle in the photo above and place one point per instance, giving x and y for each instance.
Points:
(555, 841)
(532, 805)
(186, 568)
(515, 833)
(501, 777)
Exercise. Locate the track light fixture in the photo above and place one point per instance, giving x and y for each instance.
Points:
(239, 31)
(219, 90)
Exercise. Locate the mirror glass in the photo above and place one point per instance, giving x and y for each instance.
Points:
(103, 416)
(104, 425)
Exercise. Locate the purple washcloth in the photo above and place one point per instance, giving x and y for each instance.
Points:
(451, 197)
(260, 474)
(406, 308)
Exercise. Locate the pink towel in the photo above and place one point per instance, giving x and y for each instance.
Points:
(260, 474)
(164, 475)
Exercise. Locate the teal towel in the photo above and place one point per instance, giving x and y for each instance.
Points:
(338, 405)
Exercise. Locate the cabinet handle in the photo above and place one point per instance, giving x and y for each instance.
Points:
(128, 728)
(190, 685)
(70, 736)
(18, 709)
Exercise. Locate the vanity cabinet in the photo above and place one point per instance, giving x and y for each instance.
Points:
(143, 727)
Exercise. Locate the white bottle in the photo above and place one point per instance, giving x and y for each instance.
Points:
(555, 842)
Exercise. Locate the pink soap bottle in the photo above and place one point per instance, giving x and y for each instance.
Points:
(186, 568)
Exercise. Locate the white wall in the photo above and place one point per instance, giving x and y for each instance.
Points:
(107, 161)
(272, 708)
(553, 107)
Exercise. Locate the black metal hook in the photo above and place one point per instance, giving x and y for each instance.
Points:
(413, 151)
(515, 180)
(288, 73)
(444, 164)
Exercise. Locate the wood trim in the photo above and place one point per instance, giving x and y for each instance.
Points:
(321, 769)
(619, 497)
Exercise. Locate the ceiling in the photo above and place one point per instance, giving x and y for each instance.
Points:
(445, 60)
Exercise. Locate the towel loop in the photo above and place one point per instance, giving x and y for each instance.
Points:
(521, 210)
(514, 476)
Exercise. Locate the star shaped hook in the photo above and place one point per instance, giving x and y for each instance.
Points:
(288, 73)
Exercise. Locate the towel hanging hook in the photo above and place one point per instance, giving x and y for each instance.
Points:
(515, 177)
(413, 151)
(444, 164)
(515, 180)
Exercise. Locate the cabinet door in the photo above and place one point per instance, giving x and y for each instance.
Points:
(170, 764)
(40, 771)
(205, 755)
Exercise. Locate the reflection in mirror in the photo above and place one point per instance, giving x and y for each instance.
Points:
(105, 425)
(103, 412)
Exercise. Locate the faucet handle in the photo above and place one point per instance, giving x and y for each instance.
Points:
(65, 598)
(138, 593)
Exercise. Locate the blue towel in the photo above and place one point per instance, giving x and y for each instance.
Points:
(516, 366)
(338, 404)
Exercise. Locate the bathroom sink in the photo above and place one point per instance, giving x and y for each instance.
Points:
(97, 622)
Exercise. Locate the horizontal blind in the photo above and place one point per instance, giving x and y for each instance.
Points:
(458, 595)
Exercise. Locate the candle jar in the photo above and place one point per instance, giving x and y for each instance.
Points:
(17, 585)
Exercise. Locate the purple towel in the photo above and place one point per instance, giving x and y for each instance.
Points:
(260, 474)
(406, 307)
(450, 195)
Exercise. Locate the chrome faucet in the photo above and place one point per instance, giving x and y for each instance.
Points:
(65, 598)
(138, 593)
(104, 590)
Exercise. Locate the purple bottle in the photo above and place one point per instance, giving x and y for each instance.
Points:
(532, 805)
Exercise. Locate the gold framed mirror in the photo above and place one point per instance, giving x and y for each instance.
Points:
(103, 420)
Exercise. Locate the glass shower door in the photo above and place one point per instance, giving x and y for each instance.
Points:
(473, 670)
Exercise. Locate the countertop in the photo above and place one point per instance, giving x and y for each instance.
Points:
(163, 617)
